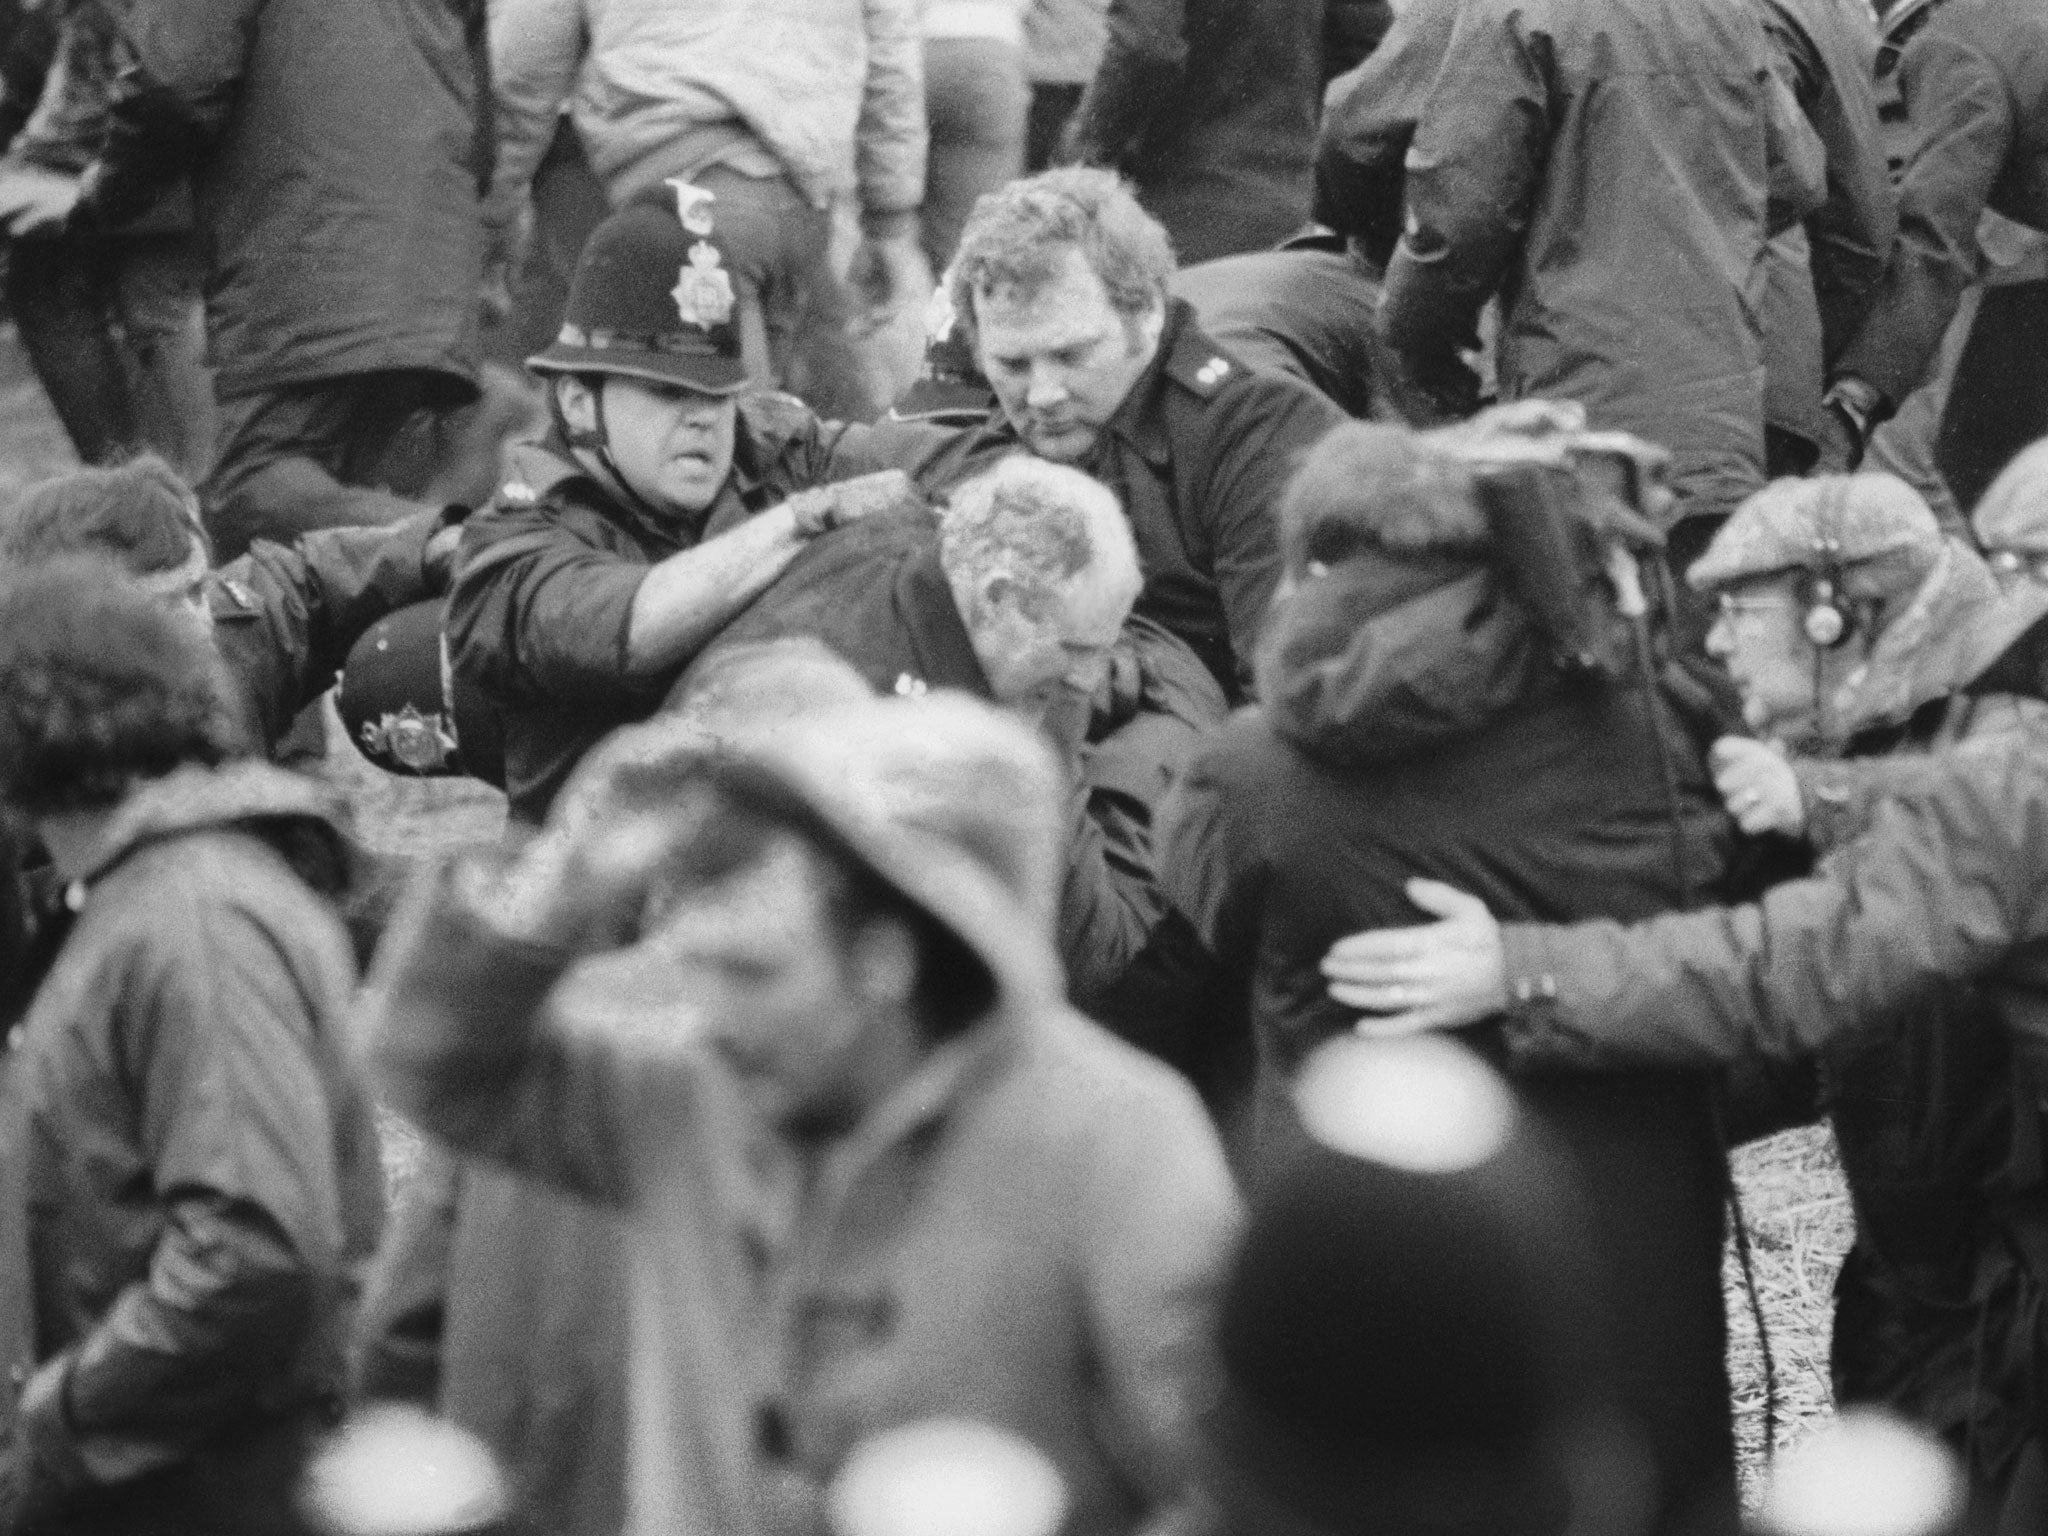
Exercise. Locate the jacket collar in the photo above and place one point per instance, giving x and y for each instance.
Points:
(1186, 359)
(197, 799)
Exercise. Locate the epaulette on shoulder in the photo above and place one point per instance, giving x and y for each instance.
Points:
(1202, 370)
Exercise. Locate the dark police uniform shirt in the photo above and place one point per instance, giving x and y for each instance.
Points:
(545, 581)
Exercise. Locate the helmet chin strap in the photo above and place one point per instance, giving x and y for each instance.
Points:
(596, 440)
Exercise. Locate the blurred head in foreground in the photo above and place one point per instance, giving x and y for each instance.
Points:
(1406, 1334)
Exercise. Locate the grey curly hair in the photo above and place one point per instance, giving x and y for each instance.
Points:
(1039, 524)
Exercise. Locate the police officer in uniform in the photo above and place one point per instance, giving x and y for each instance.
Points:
(1061, 285)
(659, 505)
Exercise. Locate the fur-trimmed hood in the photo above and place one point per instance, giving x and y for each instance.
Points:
(1385, 656)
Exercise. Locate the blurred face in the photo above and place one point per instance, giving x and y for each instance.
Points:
(1759, 638)
(787, 1007)
(183, 590)
(672, 446)
(1037, 648)
(1062, 359)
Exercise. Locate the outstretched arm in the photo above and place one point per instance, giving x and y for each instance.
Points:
(1941, 889)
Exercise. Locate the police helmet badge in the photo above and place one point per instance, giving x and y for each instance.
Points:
(419, 741)
(703, 290)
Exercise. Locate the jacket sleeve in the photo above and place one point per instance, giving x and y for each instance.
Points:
(1258, 433)
(1961, 118)
(314, 600)
(28, 49)
(217, 1032)
(1141, 66)
(1851, 234)
(1209, 864)
(183, 62)
(1941, 889)
(396, 1352)
(462, 1042)
(1160, 1218)
(1109, 902)
(1369, 120)
(1473, 172)
(537, 47)
(535, 615)
(892, 139)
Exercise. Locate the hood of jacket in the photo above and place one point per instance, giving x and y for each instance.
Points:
(303, 819)
(1953, 629)
(1379, 658)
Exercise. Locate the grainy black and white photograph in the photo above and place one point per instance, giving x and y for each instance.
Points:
(1024, 767)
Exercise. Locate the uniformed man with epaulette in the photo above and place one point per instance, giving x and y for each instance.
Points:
(1061, 284)
(660, 504)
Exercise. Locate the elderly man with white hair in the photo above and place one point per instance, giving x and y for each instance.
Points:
(1015, 591)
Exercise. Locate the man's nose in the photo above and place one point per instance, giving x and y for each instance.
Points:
(1719, 643)
(1048, 386)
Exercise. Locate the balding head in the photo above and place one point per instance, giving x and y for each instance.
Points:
(1044, 571)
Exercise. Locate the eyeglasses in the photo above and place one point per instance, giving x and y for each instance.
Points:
(1734, 607)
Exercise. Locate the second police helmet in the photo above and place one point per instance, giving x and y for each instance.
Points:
(652, 298)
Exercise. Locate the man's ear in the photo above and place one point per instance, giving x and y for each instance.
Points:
(1147, 327)
(997, 592)
(579, 405)
(884, 963)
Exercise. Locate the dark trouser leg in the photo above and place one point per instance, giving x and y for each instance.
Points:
(59, 291)
(1052, 104)
(1999, 402)
(318, 455)
(780, 249)
(568, 203)
(977, 104)
(163, 328)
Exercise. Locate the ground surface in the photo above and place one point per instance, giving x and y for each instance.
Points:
(1790, 1185)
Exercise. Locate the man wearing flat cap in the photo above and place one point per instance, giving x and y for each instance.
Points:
(874, 1170)
(660, 504)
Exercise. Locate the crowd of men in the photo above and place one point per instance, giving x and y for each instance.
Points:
(1166, 926)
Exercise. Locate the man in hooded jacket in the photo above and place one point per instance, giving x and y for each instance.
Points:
(1412, 718)
(192, 1252)
(873, 1171)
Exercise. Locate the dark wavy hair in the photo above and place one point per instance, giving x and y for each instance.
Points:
(139, 513)
(100, 687)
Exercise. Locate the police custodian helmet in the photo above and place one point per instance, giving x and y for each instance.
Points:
(653, 299)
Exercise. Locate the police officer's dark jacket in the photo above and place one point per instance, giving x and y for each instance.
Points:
(545, 580)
